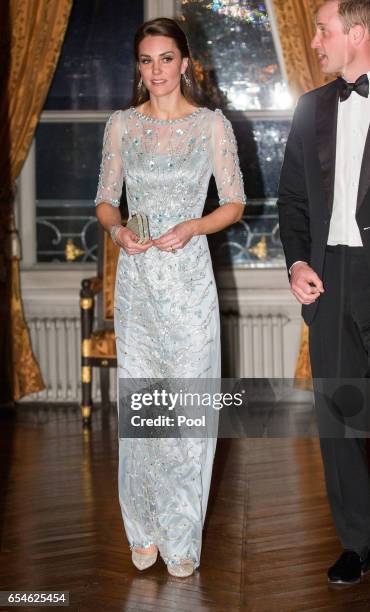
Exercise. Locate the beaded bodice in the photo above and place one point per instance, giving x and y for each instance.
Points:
(167, 164)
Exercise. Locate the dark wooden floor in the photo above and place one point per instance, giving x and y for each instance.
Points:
(267, 543)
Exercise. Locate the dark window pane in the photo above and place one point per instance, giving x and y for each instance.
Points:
(67, 160)
(66, 230)
(254, 242)
(234, 49)
(261, 147)
(67, 168)
(95, 69)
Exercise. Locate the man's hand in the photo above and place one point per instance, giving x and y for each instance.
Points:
(305, 285)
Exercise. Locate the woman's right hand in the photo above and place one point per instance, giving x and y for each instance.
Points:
(128, 241)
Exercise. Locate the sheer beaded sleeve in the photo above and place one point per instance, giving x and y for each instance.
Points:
(111, 169)
(226, 167)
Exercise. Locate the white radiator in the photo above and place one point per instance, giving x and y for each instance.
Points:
(56, 344)
(252, 346)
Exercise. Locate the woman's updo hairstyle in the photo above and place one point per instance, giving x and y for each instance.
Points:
(166, 27)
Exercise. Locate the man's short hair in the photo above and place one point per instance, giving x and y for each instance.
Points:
(354, 12)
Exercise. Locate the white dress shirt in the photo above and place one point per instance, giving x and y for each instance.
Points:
(352, 128)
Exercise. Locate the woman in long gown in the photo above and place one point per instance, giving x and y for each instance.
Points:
(165, 148)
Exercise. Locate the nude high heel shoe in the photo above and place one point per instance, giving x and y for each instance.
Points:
(144, 560)
(181, 570)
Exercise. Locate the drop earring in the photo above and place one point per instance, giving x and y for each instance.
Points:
(187, 81)
(140, 84)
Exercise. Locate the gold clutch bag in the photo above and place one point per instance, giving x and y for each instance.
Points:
(139, 224)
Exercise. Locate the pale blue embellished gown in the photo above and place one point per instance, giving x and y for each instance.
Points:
(166, 309)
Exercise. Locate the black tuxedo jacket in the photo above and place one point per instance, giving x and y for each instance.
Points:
(306, 189)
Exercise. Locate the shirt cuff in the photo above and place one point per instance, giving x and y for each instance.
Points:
(292, 266)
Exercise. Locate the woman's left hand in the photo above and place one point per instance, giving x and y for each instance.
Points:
(177, 237)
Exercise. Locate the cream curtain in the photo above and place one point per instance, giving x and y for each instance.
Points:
(296, 24)
(31, 36)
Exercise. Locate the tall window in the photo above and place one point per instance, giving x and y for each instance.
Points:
(94, 76)
(236, 51)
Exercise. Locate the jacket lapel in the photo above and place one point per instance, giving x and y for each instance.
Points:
(326, 126)
(364, 184)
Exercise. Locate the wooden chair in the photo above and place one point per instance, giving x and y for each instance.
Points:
(98, 348)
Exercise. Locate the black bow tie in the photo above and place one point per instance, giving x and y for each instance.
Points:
(361, 87)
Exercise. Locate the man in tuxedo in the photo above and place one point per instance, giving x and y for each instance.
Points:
(324, 211)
